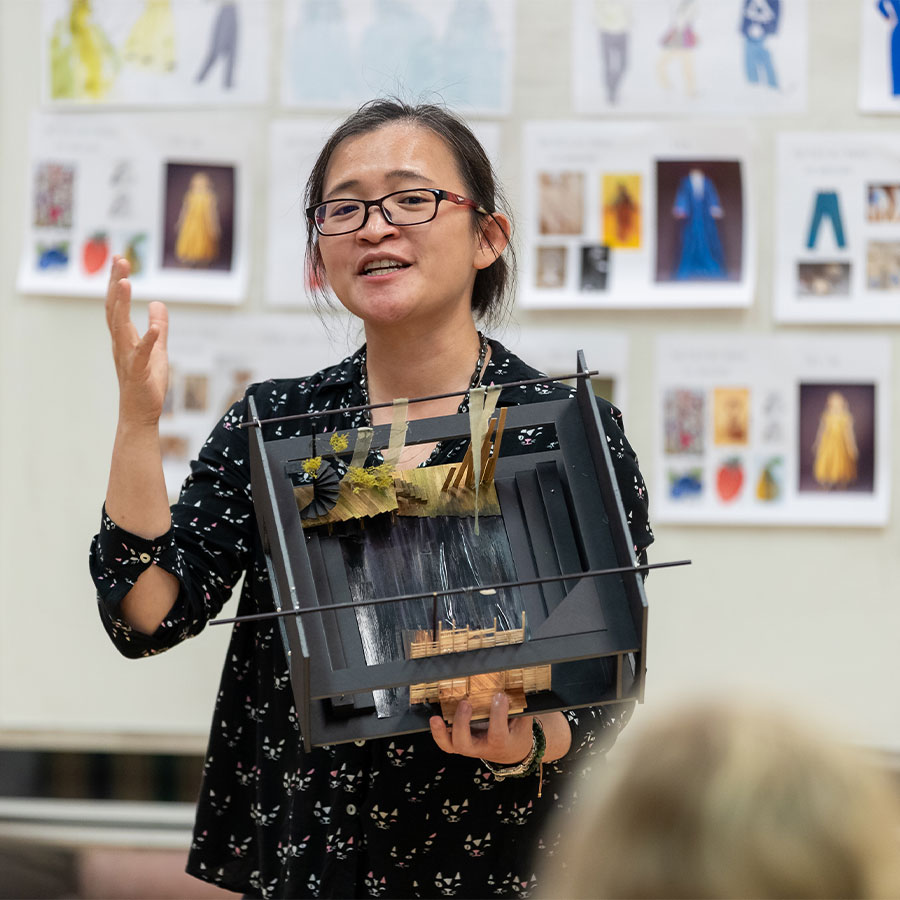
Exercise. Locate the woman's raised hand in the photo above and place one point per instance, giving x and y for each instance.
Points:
(142, 363)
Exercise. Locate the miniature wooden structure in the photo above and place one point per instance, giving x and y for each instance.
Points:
(478, 689)
(557, 514)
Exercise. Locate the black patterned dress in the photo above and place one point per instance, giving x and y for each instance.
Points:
(394, 817)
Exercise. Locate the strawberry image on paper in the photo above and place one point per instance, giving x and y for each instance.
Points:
(729, 479)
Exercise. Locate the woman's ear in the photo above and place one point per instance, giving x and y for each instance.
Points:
(493, 236)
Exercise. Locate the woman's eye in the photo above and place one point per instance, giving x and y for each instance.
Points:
(414, 199)
(342, 210)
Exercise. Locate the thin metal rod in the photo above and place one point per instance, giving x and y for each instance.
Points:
(471, 589)
(253, 423)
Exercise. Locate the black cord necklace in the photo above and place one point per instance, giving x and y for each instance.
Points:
(474, 382)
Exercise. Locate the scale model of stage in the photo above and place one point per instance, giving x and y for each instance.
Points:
(399, 592)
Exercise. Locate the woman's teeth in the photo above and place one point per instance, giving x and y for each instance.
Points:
(380, 266)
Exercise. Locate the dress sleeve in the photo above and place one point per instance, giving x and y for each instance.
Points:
(595, 728)
(207, 548)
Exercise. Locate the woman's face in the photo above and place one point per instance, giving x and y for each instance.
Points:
(438, 260)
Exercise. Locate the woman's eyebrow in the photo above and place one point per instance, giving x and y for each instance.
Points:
(352, 184)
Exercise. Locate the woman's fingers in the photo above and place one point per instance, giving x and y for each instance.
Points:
(159, 319)
(145, 347)
(506, 741)
(441, 734)
(118, 295)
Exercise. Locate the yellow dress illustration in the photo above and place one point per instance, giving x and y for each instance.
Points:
(83, 63)
(835, 444)
(198, 225)
(151, 43)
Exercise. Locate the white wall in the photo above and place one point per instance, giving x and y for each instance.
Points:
(807, 616)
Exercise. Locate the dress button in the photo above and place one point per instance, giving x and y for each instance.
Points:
(360, 743)
(351, 809)
(145, 557)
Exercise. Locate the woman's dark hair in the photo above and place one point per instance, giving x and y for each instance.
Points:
(493, 285)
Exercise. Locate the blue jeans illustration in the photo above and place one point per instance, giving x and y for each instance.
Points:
(826, 205)
(756, 58)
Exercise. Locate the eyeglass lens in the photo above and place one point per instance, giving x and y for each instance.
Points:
(403, 208)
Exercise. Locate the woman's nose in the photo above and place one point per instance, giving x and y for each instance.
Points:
(377, 224)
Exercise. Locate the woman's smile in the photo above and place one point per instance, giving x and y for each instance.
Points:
(382, 266)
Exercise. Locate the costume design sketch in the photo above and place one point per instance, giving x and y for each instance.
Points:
(151, 43)
(698, 208)
(835, 446)
(418, 64)
(320, 28)
(760, 22)
(613, 25)
(472, 70)
(678, 43)
(340, 54)
(83, 62)
(223, 44)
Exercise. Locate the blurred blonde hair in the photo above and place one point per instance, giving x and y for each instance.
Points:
(731, 801)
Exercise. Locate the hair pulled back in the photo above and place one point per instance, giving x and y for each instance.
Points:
(493, 285)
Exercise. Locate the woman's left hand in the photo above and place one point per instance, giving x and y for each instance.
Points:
(506, 741)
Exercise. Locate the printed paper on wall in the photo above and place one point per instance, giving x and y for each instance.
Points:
(837, 253)
(153, 189)
(773, 430)
(553, 348)
(632, 215)
(339, 53)
(689, 57)
(155, 52)
(212, 360)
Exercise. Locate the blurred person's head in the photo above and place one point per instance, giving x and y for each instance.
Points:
(719, 800)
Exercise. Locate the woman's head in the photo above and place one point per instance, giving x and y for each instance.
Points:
(722, 800)
(494, 280)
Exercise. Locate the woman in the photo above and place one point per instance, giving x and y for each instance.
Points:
(418, 815)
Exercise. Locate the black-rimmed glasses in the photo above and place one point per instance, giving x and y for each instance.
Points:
(412, 207)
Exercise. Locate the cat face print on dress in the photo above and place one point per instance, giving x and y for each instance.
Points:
(261, 818)
(265, 890)
(374, 885)
(322, 813)
(271, 750)
(400, 756)
(515, 815)
(238, 847)
(476, 846)
(297, 781)
(382, 818)
(453, 812)
(338, 845)
(290, 850)
(447, 885)
(484, 779)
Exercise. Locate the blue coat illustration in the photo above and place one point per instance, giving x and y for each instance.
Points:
(697, 206)
(890, 9)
